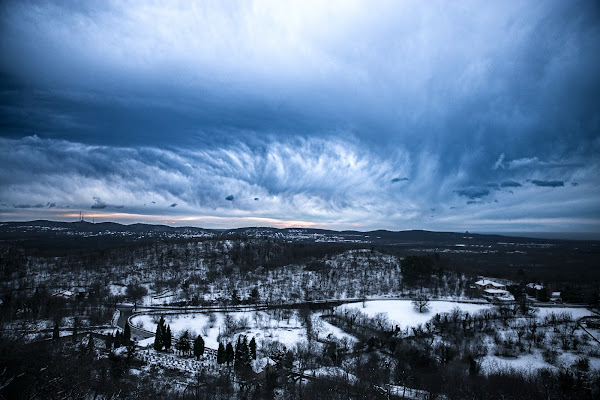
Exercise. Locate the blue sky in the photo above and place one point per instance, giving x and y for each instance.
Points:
(479, 116)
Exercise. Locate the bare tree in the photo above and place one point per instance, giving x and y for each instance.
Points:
(421, 302)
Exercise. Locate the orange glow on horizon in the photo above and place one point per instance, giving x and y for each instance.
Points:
(205, 221)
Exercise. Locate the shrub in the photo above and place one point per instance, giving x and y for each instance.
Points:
(582, 364)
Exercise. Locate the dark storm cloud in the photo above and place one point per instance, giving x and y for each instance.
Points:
(47, 205)
(399, 180)
(101, 205)
(547, 183)
(173, 205)
(229, 198)
(473, 192)
(510, 184)
(387, 57)
(315, 111)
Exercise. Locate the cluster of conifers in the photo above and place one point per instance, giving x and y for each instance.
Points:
(241, 357)
(164, 339)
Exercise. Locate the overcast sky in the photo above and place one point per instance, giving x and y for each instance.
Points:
(480, 116)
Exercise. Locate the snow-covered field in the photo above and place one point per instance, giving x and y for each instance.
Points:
(287, 329)
(257, 324)
(576, 313)
(403, 313)
(328, 331)
(532, 362)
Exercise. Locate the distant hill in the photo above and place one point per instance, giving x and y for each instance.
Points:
(105, 234)
(479, 253)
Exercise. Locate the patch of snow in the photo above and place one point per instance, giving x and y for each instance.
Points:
(529, 363)
(331, 372)
(335, 332)
(576, 313)
(115, 318)
(260, 364)
(146, 342)
(257, 324)
(403, 313)
(117, 290)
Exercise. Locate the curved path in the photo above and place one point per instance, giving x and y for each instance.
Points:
(127, 312)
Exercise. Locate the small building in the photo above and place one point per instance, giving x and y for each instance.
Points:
(535, 286)
(536, 290)
(555, 297)
(498, 294)
(484, 284)
(64, 294)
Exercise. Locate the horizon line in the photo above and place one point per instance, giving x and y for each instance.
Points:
(549, 235)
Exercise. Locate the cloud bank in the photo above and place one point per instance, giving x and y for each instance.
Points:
(307, 182)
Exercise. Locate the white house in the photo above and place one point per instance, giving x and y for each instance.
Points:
(493, 290)
(484, 284)
(498, 294)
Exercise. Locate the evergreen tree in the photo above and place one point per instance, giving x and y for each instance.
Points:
(245, 352)
(157, 339)
(108, 341)
(75, 328)
(221, 354)
(130, 352)
(235, 298)
(163, 332)
(117, 339)
(198, 347)
(252, 347)
(168, 338)
(183, 343)
(245, 356)
(229, 354)
(288, 360)
(236, 361)
(90, 345)
(161, 335)
(255, 295)
(242, 355)
(55, 332)
(126, 334)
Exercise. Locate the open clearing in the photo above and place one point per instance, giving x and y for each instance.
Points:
(286, 328)
(403, 313)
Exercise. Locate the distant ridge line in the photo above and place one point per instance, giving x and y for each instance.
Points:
(379, 235)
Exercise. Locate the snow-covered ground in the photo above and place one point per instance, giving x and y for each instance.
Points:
(404, 314)
(576, 313)
(331, 372)
(117, 290)
(532, 362)
(266, 327)
(329, 331)
(257, 324)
